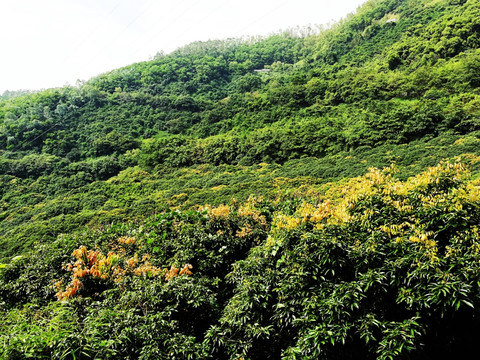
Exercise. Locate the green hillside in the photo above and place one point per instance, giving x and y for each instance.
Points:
(298, 196)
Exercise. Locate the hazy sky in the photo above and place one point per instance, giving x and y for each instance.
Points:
(49, 43)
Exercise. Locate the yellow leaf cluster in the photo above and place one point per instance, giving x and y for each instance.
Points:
(393, 192)
(221, 211)
(114, 266)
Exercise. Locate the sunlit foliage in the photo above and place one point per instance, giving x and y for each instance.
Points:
(313, 194)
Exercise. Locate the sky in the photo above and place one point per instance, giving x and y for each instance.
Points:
(53, 43)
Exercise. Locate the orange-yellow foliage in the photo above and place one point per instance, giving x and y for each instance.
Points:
(112, 267)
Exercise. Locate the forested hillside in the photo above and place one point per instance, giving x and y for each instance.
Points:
(311, 194)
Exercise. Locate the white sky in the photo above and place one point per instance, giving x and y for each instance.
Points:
(49, 43)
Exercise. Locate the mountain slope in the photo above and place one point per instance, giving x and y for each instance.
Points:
(224, 202)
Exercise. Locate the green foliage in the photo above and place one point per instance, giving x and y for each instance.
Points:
(381, 274)
(377, 267)
(41, 209)
(385, 54)
(243, 158)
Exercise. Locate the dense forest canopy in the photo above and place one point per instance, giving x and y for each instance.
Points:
(225, 201)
